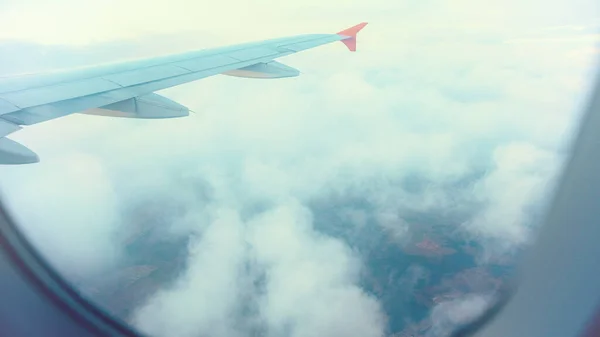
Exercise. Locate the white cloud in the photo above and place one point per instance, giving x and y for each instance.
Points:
(521, 175)
(452, 314)
(204, 299)
(70, 210)
(311, 280)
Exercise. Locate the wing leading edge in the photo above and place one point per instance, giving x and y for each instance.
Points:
(126, 89)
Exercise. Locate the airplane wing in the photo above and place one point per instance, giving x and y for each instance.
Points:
(127, 89)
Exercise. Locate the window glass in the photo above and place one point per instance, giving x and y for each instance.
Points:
(387, 192)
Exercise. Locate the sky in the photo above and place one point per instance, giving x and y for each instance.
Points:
(441, 90)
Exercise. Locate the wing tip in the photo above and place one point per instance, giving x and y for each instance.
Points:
(352, 31)
(349, 35)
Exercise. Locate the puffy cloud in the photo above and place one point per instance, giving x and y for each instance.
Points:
(311, 287)
(447, 316)
(309, 282)
(205, 297)
(519, 179)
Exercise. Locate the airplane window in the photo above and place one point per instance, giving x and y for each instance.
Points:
(309, 192)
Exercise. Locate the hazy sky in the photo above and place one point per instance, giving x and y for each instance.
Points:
(437, 89)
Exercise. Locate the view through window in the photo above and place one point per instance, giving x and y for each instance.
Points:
(387, 192)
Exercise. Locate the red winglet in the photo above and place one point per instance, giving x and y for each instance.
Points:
(350, 34)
